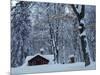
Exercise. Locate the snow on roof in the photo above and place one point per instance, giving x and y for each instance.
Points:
(49, 57)
(42, 49)
(70, 56)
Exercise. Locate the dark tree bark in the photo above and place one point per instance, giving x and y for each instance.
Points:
(80, 16)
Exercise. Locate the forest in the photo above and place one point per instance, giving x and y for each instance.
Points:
(60, 29)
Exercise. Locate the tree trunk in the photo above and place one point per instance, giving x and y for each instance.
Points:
(80, 16)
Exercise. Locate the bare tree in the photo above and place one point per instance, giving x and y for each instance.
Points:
(20, 33)
(80, 15)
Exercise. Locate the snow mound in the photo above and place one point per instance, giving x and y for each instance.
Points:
(52, 68)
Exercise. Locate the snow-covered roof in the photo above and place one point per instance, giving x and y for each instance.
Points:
(70, 56)
(49, 57)
(42, 49)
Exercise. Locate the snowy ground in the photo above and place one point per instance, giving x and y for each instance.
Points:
(52, 68)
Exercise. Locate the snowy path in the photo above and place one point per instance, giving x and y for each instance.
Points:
(52, 68)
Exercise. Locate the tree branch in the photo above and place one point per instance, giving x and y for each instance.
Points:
(74, 9)
(82, 14)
